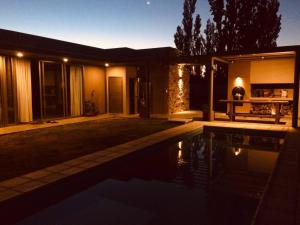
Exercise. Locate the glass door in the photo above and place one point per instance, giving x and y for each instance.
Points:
(53, 90)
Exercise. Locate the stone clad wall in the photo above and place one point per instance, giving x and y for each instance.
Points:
(179, 98)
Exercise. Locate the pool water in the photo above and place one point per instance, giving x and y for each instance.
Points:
(216, 178)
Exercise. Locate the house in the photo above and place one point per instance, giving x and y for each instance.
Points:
(46, 79)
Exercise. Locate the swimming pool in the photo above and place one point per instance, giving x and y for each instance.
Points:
(211, 178)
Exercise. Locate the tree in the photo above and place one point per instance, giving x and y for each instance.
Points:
(210, 35)
(183, 38)
(268, 26)
(198, 45)
(246, 25)
(217, 11)
(230, 26)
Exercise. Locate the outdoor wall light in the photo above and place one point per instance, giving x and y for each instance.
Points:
(20, 54)
(106, 64)
(65, 60)
(180, 145)
(180, 72)
(238, 82)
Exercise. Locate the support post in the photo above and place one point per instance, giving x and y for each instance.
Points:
(296, 90)
(211, 91)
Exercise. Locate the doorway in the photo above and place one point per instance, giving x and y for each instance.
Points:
(115, 85)
(54, 98)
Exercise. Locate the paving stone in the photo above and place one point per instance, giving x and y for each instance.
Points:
(29, 186)
(8, 194)
(73, 162)
(88, 165)
(72, 171)
(14, 182)
(52, 177)
(57, 168)
(37, 174)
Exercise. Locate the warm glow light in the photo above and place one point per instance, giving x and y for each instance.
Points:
(180, 145)
(273, 111)
(20, 54)
(180, 72)
(203, 71)
(237, 151)
(65, 59)
(106, 64)
(238, 82)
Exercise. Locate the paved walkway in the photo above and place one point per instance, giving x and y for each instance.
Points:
(281, 202)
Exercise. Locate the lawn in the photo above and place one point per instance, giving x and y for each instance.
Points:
(28, 151)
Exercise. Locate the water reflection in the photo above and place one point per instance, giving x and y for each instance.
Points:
(211, 179)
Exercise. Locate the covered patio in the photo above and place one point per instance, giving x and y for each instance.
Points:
(259, 87)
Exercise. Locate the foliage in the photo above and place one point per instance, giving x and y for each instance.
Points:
(188, 38)
(236, 25)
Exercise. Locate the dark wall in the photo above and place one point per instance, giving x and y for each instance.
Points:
(159, 78)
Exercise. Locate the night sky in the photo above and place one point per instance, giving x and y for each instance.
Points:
(119, 23)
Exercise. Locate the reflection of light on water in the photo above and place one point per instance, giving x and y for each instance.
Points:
(237, 151)
(180, 159)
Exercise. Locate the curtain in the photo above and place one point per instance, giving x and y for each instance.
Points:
(22, 72)
(76, 99)
(2, 87)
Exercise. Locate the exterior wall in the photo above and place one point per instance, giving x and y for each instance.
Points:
(242, 69)
(272, 71)
(94, 81)
(159, 78)
(119, 71)
(178, 89)
(259, 72)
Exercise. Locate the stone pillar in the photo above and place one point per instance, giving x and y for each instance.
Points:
(179, 89)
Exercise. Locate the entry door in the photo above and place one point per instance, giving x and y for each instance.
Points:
(115, 94)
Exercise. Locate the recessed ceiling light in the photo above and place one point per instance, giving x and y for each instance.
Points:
(20, 54)
(65, 59)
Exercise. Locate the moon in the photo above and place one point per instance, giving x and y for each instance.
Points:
(148, 3)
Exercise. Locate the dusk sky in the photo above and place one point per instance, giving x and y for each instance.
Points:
(119, 23)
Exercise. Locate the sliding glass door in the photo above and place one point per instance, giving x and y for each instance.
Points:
(54, 97)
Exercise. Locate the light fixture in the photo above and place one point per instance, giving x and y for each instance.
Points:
(237, 151)
(106, 64)
(20, 54)
(180, 71)
(180, 145)
(238, 82)
(65, 60)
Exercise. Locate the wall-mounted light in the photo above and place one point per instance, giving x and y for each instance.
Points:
(238, 82)
(180, 145)
(20, 54)
(106, 64)
(180, 71)
(65, 60)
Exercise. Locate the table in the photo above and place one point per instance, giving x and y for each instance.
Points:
(232, 104)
